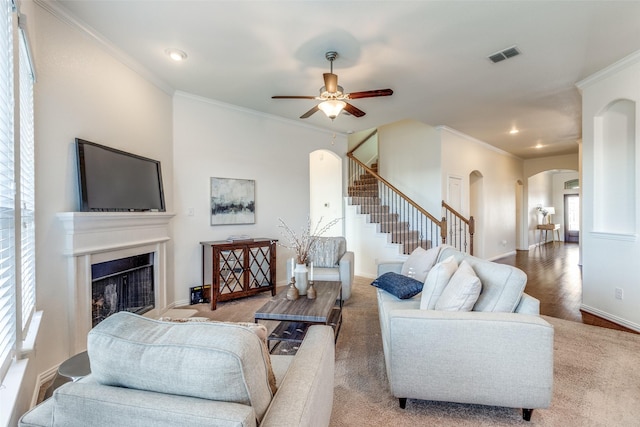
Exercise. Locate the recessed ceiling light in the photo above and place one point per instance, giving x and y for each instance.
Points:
(539, 146)
(176, 54)
(514, 131)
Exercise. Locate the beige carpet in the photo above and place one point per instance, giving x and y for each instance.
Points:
(596, 383)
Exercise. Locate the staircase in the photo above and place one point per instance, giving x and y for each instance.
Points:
(364, 192)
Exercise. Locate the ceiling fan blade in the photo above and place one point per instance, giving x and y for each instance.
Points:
(292, 97)
(330, 82)
(354, 111)
(309, 113)
(370, 93)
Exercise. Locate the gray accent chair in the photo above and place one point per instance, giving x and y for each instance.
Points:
(164, 374)
(332, 262)
(477, 357)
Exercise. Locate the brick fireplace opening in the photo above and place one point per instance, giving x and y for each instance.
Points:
(97, 242)
(124, 284)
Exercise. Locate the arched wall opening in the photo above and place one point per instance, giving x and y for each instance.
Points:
(477, 210)
(614, 168)
(325, 190)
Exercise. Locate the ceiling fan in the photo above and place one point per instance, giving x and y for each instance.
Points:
(333, 97)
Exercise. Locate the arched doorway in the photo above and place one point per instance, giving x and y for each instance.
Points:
(520, 224)
(476, 210)
(325, 190)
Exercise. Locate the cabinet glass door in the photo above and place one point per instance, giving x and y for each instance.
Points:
(231, 271)
(259, 268)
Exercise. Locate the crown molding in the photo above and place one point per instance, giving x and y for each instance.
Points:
(612, 69)
(477, 141)
(59, 12)
(227, 106)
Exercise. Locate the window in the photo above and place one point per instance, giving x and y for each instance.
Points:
(572, 184)
(17, 237)
(27, 188)
(7, 191)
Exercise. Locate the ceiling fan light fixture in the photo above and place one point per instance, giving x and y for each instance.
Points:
(332, 107)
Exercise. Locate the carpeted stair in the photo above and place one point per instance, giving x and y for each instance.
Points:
(364, 192)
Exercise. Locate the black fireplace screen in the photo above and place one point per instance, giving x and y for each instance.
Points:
(124, 284)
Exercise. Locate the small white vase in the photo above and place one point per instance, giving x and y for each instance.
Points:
(300, 273)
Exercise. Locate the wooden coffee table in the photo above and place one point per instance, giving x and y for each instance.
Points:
(296, 316)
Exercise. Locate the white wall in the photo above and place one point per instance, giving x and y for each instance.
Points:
(609, 259)
(409, 158)
(212, 139)
(463, 155)
(81, 91)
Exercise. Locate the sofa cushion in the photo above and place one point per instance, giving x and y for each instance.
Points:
(421, 261)
(257, 328)
(502, 285)
(399, 285)
(215, 361)
(88, 403)
(462, 291)
(437, 280)
(326, 251)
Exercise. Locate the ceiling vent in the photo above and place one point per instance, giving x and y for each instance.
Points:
(507, 53)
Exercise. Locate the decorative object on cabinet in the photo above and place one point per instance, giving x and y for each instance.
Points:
(233, 201)
(238, 269)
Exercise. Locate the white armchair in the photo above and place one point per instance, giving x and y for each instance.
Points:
(331, 261)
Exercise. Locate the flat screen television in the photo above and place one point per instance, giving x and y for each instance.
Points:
(112, 180)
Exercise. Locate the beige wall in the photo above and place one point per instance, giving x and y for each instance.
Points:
(610, 257)
(214, 140)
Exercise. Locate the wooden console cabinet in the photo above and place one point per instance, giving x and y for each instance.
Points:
(238, 269)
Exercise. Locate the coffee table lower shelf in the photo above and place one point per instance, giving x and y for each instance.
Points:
(294, 332)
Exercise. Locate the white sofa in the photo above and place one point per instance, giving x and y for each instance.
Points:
(478, 357)
(332, 262)
(164, 374)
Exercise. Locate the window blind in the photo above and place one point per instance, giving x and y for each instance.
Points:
(27, 187)
(7, 191)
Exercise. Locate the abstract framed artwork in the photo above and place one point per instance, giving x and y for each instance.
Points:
(233, 201)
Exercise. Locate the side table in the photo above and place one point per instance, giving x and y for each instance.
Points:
(72, 369)
(75, 367)
(546, 228)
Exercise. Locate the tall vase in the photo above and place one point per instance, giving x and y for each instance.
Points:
(300, 274)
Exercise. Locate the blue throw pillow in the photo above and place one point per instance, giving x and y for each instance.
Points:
(396, 284)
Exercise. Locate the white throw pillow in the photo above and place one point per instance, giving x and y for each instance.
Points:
(421, 261)
(436, 282)
(462, 292)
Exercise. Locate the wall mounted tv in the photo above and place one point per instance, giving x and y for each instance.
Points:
(112, 180)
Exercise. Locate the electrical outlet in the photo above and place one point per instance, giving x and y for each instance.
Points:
(619, 293)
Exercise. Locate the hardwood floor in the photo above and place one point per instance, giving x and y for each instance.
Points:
(555, 278)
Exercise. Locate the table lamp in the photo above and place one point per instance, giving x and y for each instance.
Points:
(550, 211)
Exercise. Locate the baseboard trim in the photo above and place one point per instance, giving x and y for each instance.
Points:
(610, 317)
(501, 255)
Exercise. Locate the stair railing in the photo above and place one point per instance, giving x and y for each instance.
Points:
(412, 226)
(461, 229)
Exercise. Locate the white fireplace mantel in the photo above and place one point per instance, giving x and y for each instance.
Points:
(94, 237)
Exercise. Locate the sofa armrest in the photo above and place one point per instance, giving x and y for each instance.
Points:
(502, 359)
(305, 396)
(389, 266)
(528, 305)
(346, 274)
